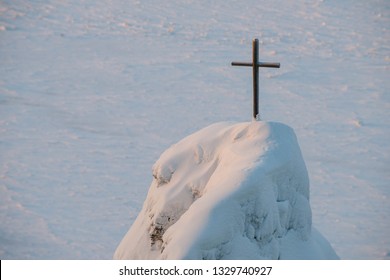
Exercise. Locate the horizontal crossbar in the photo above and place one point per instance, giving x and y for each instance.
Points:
(260, 64)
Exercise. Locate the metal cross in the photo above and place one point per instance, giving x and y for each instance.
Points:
(256, 64)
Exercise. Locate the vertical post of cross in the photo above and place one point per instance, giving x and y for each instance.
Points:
(255, 57)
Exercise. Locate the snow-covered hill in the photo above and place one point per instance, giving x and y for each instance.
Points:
(92, 92)
(229, 191)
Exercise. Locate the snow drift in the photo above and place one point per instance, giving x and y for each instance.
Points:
(229, 191)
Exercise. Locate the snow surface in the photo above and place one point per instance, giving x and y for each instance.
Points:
(91, 93)
(229, 191)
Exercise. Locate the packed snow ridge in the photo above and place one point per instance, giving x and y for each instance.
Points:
(229, 191)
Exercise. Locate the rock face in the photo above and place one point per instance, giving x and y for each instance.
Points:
(229, 191)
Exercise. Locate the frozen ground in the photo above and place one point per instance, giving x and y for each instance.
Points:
(92, 92)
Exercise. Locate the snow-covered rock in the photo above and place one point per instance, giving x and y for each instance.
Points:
(229, 191)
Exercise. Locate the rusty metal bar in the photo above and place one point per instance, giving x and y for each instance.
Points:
(242, 64)
(255, 64)
(269, 64)
(255, 61)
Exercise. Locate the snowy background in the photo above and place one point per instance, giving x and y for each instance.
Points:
(92, 92)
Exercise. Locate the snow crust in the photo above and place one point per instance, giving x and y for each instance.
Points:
(228, 191)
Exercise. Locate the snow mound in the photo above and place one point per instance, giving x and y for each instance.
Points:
(229, 191)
